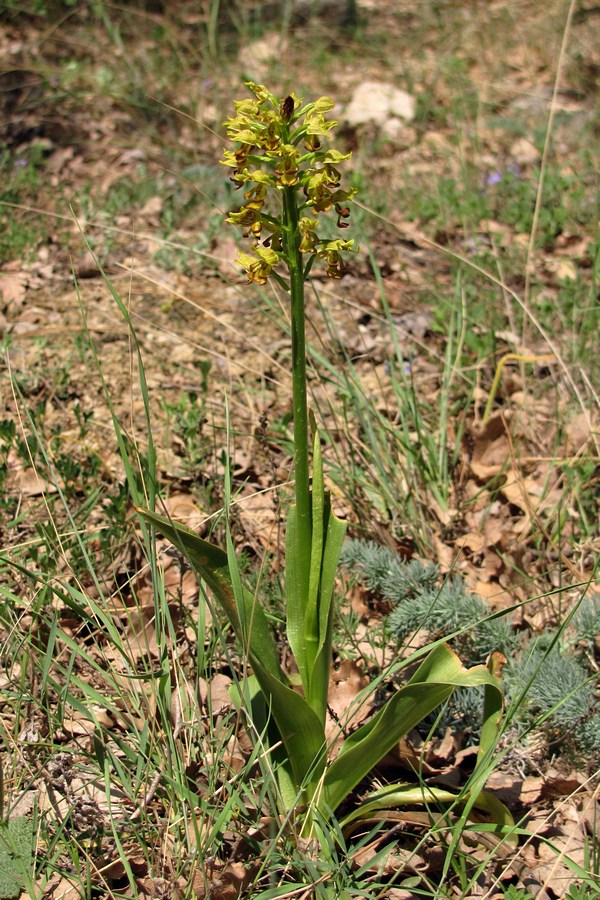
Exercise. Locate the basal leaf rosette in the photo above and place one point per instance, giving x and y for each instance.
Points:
(280, 149)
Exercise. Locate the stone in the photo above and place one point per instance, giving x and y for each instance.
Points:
(378, 101)
(524, 152)
(401, 135)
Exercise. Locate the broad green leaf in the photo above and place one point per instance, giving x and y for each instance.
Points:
(249, 696)
(311, 614)
(499, 813)
(433, 682)
(335, 531)
(415, 795)
(492, 713)
(300, 729)
(294, 599)
(210, 562)
(309, 619)
(334, 539)
(367, 746)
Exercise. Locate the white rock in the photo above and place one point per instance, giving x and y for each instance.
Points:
(399, 132)
(258, 56)
(524, 152)
(377, 101)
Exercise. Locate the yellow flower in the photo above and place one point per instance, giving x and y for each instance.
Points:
(259, 267)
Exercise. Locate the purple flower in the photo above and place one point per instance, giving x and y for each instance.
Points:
(494, 178)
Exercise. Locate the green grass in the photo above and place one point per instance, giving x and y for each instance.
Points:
(22, 176)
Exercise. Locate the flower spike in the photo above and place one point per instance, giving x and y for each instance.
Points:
(279, 149)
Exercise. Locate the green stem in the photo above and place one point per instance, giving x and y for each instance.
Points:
(301, 446)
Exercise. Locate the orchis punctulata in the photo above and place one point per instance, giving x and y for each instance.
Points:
(280, 148)
(280, 154)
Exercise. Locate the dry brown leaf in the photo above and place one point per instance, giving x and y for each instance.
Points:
(497, 596)
(140, 634)
(77, 723)
(346, 683)
(233, 756)
(399, 894)
(531, 790)
(561, 269)
(579, 433)
(228, 883)
(473, 541)
(151, 209)
(27, 480)
(443, 515)
(523, 492)
(257, 515)
(489, 457)
(29, 483)
(357, 597)
(445, 555)
(558, 784)
(505, 785)
(182, 508)
(180, 586)
(395, 861)
(441, 750)
(61, 888)
(220, 699)
(12, 285)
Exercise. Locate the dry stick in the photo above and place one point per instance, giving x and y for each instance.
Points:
(517, 357)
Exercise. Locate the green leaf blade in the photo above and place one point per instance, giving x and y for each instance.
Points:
(301, 732)
(434, 681)
(335, 532)
(295, 601)
(211, 563)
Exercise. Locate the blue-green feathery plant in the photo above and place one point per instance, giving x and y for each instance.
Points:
(586, 622)
(557, 688)
(290, 179)
(553, 683)
(421, 602)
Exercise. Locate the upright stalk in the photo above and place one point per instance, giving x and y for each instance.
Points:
(301, 446)
(282, 152)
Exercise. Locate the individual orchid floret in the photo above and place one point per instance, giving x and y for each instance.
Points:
(288, 165)
(332, 253)
(308, 230)
(261, 93)
(259, 267)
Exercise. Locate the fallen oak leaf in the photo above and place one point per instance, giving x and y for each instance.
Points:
(12, 285)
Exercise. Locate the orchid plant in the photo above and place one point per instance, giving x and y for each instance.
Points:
(290, 180)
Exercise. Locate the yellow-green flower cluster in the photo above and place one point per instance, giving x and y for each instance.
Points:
(280, 148)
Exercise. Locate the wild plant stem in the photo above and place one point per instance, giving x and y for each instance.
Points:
(301, 446)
